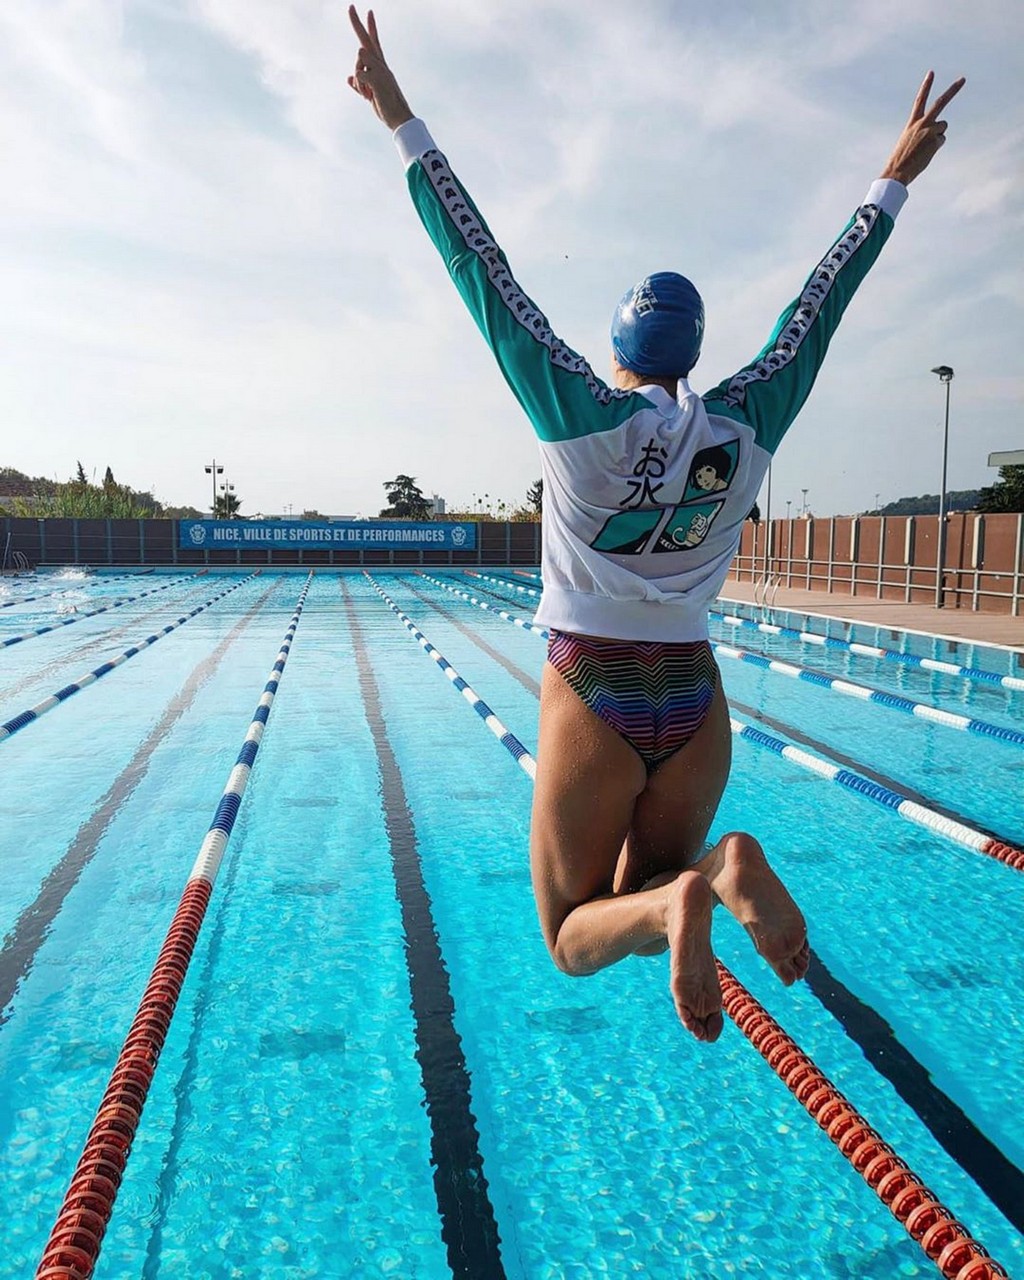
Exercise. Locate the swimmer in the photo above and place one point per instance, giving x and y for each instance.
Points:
(634, 744)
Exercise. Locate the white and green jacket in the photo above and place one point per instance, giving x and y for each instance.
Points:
(644, 495)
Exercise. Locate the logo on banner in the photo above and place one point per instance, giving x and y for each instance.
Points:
(198, 535)
(458, 535)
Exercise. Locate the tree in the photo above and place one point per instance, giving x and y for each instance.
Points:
(108, 480)
(81, 477)
(535, 496)
(1007, 494)
(312, 514)
(407, 501)
(227, 506)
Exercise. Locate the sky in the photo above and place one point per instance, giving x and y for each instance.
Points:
(207, 249)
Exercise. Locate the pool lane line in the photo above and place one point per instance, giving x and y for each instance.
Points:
(996, 1175)
(23, 941)
(829, 642)
(888, 797)
(945, 1241)
(871, 651)
(469, 1227)
(516, 622)
(916, 808)
(979, 1157)
(24, 718)
(892, 701)
(8, 604)
(508, 740)
(80, 617)
(475, 638)
(75, 1240)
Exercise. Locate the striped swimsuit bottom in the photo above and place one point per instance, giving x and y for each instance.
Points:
(654, 695)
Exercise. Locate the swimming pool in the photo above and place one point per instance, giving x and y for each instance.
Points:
(374, 1069)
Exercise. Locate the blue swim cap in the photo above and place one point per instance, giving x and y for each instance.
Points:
(658, 326)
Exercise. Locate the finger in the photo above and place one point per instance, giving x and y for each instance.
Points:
(945, 98)
(358, 28)
(373, 32)
(917, 110)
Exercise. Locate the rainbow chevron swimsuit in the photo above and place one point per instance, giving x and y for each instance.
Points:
(645, 493)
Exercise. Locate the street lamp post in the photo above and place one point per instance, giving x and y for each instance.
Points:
(803, 509)
(212, 469)
(946, 376)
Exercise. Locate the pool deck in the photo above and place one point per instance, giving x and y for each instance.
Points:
(953, 624)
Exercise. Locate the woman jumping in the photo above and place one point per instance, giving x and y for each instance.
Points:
(646, 487)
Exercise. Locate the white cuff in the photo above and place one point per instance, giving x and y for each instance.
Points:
(888, 194)
(412, 140)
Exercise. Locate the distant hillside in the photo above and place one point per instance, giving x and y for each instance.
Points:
(927, 504)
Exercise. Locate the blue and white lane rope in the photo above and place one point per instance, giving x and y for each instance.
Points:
(80, 617)
(503, 582)
(909, 809)
(905, 807)
(872, 651)
(70, 586)
(893, 701)
(507, 739)
(24, 718)
(516, 622)
(211, 852)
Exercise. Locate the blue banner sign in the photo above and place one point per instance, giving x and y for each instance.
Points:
(327, 535)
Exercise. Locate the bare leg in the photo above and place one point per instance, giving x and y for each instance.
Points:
(590, 786)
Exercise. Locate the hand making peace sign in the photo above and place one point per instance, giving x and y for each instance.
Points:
(373, 79)
(923, 134)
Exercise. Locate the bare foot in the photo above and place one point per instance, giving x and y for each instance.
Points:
(739, 874)
(694, 979)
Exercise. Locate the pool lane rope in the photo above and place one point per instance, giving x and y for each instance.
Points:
(892, 701)
(74, 1244)
(959, 832)
(508, 740)
(946, 1241)
(872, 651)
(80, 617)
(24, 718)
(828, 642)
(9, 604)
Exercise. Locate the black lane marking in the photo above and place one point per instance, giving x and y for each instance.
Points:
(955, 1132)
(468, 1225)
(480, 642)
(857, 766)
(30, 931)
(995, 1175)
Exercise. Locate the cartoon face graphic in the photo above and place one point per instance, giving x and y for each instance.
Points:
(712, 470)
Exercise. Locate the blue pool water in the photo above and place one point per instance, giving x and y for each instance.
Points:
(288, 1129)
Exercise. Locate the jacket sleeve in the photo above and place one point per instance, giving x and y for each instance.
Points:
(768, 393)
(560, 393)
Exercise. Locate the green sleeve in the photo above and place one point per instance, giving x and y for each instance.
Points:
(560, 393)
(770, 391)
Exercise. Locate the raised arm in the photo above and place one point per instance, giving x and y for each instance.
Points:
(558, 390)
(770, 391)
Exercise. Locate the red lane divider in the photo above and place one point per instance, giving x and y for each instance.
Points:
(75, 1240)
(946, 1241)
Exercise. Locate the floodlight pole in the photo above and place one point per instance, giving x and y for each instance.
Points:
(945, 374)
(213, 470)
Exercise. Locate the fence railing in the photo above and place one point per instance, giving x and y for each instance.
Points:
(892, 558)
